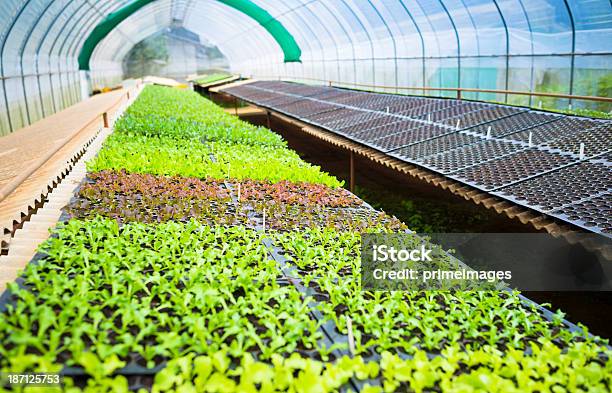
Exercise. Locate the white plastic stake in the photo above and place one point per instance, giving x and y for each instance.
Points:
(581, 154)
(264, 219)
(569, 107)
(489, 132)
(458, 122)
(530, 139)
(387, 109)
(540, 104)
(351, 338)
(429, 117)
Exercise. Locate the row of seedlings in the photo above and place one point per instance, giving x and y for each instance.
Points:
(200, 254)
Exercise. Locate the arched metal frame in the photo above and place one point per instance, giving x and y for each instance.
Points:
(540, 45)
(36, 68)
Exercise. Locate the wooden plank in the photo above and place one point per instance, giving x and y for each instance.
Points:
(22, 247)
(218, 89)
(76, 127)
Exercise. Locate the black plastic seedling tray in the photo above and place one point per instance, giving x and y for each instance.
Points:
(563, 187)
(371, 135)
(422, 133)
(512, 168)
(554, 128)
(471, 155)
(595, 140)
(421, 150)
(594, 213)
(555, 142)
(480, 116)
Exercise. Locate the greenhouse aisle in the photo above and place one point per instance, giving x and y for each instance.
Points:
(201, 254)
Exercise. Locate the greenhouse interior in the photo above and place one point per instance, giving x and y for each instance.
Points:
(306, 196)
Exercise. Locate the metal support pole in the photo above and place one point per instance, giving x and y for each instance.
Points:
(105, 119)
(458, 94)
(352, 172)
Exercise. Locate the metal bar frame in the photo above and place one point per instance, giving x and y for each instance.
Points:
(418, 29)
(349, 38)
(21, 53)
(466, 89)
(503, 19)
(390, 33)
(452, 21)
(2, 47)
(329, 34)
(573, 24)
(369, 40)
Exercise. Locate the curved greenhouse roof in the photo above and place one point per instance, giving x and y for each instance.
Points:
(537, 45)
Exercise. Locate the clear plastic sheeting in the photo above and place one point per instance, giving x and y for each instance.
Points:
(39, 42)
(561, 46)
(214, 21)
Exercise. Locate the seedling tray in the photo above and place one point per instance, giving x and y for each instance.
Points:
(480, 116)
(133, 368)
(543, 127)
(348, 118)
(405, 138)
(421, 150)
(374, 120)
(442, 111)
(592, 213)
(595, 141)
(512, 168)
(562, 187)
(471, 155)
